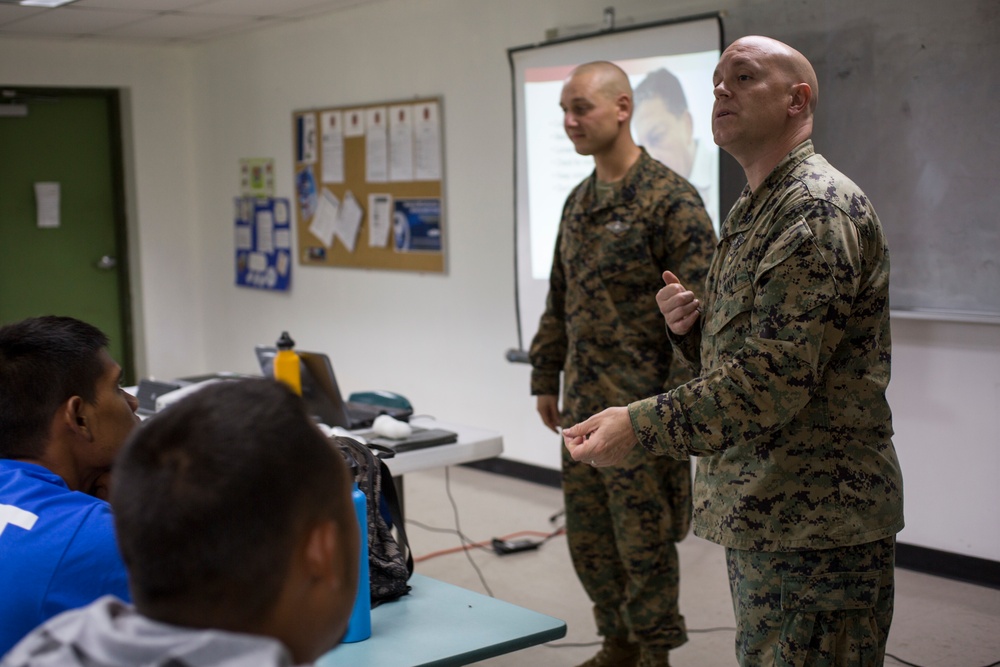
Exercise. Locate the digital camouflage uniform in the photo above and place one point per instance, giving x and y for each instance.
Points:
(797, 474)
(602, 329)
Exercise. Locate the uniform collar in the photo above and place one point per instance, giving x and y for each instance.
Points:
(749, 205)
(625, 189)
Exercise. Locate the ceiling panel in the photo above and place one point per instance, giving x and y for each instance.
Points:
(70, 21)
(144, 5)
(158, 21)
(180, 26)
(261, 7)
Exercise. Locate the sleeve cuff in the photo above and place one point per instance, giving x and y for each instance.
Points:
(648, 418)
(544, 383)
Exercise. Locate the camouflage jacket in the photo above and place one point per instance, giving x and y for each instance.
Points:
(601, 325)
(789, 416)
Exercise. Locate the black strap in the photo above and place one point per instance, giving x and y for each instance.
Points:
(392, 501)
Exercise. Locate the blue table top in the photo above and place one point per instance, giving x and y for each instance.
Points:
(442, 624)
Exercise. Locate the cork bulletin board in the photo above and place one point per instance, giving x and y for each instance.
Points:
(369, 186)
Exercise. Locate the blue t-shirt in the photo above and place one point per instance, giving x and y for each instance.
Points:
(57, 550)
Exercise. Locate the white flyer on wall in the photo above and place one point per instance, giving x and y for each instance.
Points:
(401, 143)
(427, 142)
(349, 221)
(324, 222)
(379, 219)
(332, 138)
(376, 145)
(47, 205)
(354, 123)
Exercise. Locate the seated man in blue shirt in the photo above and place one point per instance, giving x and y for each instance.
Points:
(63, 418)
(234, 516)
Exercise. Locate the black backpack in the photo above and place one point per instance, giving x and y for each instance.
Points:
(390, 563)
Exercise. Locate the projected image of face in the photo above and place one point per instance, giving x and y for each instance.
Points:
(662, 122)
(590, 115)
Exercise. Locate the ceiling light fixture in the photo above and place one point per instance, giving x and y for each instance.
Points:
(44, 3)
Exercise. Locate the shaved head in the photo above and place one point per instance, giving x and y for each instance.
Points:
(596, 100)
(792, 64)
(609, 79)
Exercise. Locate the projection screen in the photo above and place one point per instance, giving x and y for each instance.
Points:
(656, 58)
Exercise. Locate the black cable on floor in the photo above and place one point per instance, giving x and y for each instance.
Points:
(458, 529)
(451, 531)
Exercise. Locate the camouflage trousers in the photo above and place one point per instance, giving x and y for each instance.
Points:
(621, 526)
(823, 608)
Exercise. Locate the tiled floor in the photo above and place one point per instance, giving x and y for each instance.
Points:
(938, 622)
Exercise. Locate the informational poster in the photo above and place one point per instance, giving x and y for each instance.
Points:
(417, 225)
(257, 177)
(401, 143)
(379, 205)
(263, 239)
(427, 142)
(332, 123)
(305, 139)
(369, 190)
(376, 146)
(47, 205)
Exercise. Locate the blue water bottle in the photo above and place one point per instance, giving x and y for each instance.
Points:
(360, 625)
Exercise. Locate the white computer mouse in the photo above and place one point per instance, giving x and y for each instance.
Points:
(389, 427)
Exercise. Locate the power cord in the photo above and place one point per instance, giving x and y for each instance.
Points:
(513, 543)
(485, 545)
(458, 530)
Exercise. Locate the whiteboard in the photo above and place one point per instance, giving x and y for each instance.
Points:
(909, 109)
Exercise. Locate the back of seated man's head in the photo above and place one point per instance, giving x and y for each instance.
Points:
(233, 512)
(43, 362)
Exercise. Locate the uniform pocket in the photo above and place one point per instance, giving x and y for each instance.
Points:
(828, 620)
(786, 245)
(627, 271)
(728, 307)
(795, 276)
(829, 592)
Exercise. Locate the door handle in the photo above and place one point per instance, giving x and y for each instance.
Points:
(106, 263)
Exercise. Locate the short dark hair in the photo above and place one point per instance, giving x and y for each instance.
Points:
(662, 84)
(211, 495)
(43, 362)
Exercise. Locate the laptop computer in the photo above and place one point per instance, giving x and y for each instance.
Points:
(322, 394)
(147, 393)
(418, 439)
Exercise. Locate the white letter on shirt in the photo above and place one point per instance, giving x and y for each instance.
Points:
(17, 516)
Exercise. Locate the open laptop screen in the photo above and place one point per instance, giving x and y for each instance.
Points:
(322, 394)
(319, 386)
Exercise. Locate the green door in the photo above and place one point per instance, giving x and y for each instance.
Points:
(77, 268)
